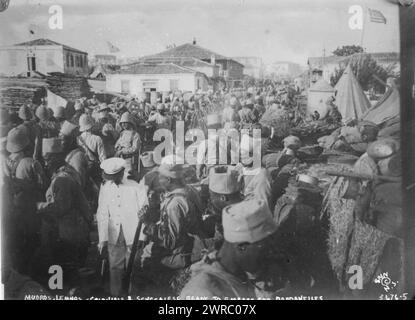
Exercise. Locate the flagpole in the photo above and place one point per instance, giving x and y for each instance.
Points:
(363, 28)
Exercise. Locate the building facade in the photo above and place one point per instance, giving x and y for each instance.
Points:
(253, 66)
(221, 66)
(283, 70)
(326, 66)
(142, 79)
(43, 56)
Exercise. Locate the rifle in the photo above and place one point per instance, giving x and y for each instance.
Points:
(363, 176)
(136, 245)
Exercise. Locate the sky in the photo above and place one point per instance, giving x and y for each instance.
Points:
(274, 30)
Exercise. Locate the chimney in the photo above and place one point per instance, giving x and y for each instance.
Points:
(212, 60)
(194, 41)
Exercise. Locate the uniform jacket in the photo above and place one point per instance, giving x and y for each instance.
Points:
(79, 161)
(171, 240)
(35, 135)
(128, 142)
(93, 146)
(65, 214)
(49, 129)
(209, 280)
(118, 206)
(257, 183)
(160, 120)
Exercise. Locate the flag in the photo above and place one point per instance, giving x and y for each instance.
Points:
(112, 48)
(376, 16)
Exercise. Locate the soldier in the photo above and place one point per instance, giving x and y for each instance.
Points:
(224, 189)
(248, 114)
(170, 238)
(33, 129)
(79, 110)
(103, 116)
(91, 143)
(128, 144)
(256, 180)
(60, 115)
(120, 201)
(75, 155)
(48, 127)
(215, 150)
(5, 125)
(229, 113)
(27, 180)
(231, 271)
(65, 214)
(160, 118)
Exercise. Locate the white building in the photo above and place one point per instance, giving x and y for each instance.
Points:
(253, 66)
(43, 56)
(142, 79)
(283, 70)
(328, 65)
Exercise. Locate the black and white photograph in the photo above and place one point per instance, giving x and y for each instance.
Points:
(207, 150)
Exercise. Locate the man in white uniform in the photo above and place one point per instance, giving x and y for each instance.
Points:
(119, 204)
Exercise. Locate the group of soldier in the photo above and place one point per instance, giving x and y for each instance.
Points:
(204, 230)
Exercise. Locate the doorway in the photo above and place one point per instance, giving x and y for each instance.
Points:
(31, 65)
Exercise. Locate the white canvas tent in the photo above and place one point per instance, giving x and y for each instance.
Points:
(317, 97)
(385, 109)
(350, 98)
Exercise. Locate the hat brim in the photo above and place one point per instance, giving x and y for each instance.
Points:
(85, 128)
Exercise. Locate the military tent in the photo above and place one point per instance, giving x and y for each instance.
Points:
(385, 109)
(350, 98)
(318, 95)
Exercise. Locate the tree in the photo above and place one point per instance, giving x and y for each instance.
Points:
(345, 51)
(364, 67)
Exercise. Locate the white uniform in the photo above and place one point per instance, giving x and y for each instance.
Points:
(117, 216)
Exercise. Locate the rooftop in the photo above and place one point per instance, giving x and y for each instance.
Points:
(189, 50)
(180, 61)
(160, 68)
(319, 61)
(47, 42)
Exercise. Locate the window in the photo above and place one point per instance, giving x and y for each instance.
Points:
(49, 58)
(72, 61)
(67, 60)
(13, 58)
(125, 86)
(198, 84)
(85, 61)
(174, 84)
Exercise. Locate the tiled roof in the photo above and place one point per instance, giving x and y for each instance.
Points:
(47, 42)
(180, 61)
(162, 68)
(189, 50)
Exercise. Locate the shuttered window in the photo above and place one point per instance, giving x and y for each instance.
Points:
(174, 84)
(125, 86)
